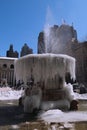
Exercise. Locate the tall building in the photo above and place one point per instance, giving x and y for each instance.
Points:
(63, 40)
(11, 52)
(52, 39)
(25, 50)
(41, 43)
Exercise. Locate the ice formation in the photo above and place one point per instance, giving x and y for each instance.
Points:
(50, 71)
(32, 100)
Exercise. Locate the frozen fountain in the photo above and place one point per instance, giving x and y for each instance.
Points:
(50, 71)
(53, 72)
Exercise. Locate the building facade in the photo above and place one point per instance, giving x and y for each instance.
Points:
(7, 65)
(7, 71)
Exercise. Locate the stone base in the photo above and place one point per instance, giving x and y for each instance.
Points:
(53, 94)
(63, 105)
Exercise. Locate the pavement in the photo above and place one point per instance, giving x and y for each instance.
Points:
(10, 115)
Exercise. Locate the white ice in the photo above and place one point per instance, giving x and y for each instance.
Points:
(46, 68)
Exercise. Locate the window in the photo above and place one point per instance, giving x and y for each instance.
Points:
(11, 66)
(4, 66)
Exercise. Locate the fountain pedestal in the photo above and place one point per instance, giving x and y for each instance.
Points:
(53, 95)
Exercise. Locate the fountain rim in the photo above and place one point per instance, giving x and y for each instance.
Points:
(47, 55)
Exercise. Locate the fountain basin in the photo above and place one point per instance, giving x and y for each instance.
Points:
(48, 69)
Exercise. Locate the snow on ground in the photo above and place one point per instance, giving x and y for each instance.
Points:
(59, 116)
(81, 96)
(6, 93)
(55, 115)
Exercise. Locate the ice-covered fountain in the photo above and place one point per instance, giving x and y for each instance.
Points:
(53, 72)
(50, 70)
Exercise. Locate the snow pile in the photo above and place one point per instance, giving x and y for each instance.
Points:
(81, 96)
(59, 116)
(69, 93)
(6, 93)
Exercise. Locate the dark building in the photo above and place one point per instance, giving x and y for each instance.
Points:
(25, 50)
(80, 53)
(63, 40)
(11, 52)
(41, 45)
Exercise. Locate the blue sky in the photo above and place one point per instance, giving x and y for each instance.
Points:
(22, 20)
